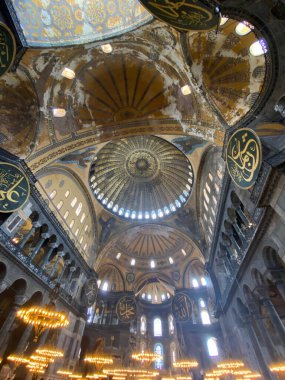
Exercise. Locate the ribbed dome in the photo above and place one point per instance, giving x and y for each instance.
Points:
(141, 177)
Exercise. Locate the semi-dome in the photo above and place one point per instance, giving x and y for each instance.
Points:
(141, 177)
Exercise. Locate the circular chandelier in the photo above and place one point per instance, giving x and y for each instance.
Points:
(186, 363)
(96, 375)
(42, 318)
(63, 371)
(50, 352)
(277, 367)
(183, 377)
(75, 376)
(146, 356)
(253, 375)
(18, 359)
(230, 364)
(99, 359)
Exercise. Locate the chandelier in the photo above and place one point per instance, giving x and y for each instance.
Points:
(50, 352)
(99, 359)
(18, 359)
(253, 375)
(63, 371)
(146, 357)
(186, 363)
(230, 364)
(277, 367)
(42, 318)
(183, 377)
(75, 376)
(96, 375)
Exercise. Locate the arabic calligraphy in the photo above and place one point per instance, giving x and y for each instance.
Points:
(183, 15)
(244, 157)
(182, 307)
(7, 48)
(14, 188)
(126, 309)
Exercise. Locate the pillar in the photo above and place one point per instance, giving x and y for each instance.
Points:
(26, 238)
(38, 246)
(275, 319)
(51, 247)
(267, 374)
(53, 269)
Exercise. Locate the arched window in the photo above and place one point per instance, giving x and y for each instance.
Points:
(170, 324)
(67, 193)
(203, 281)
(82, 218)
(195, 283)
(52, 194)
(143, 324)
(72, 223)
(157, 327)
(212, 347)
(158, 349)
(205, 317)
(79, 208)
(59, 205)
(66, 214)
(73, 203)
(105, 286)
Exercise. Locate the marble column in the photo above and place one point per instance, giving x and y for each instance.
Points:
(65, 269)
(26, 238)
(6, 327)
(267, 374)
(48, 254)
(53, 269)
(275, 319)
(254, 310)
(38, 246)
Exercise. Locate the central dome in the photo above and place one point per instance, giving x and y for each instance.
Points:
(141, 177)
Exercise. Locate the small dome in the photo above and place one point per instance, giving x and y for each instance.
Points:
(141, 178)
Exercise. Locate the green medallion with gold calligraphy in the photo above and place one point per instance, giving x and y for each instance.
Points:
(185, 14)
(7, 48)
(244, 157)
(182, 307)
(126, 309)
(14, 188)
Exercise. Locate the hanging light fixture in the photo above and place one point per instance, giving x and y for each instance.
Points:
(18, 359)
(50, 352)
(231, 364)
(64, 371)
(42, 318)
(146, 357)
(186, 363)
(277, 367)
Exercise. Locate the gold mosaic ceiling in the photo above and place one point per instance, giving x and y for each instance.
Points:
(141, 177)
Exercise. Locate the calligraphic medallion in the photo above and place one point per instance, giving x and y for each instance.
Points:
(90, 290)
(244, 157)
(185, 14)
(7, 48)
(14, 188)
(126, 309)
(182, 307)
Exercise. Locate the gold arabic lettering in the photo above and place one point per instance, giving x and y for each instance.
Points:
(172, 9)
(246, 159)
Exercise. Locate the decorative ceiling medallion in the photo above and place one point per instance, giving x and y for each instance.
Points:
(182, 307)
(126, 309)
(14, 188)
(141, 178)
(184, 15)
(7, 48)
(244, 157)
